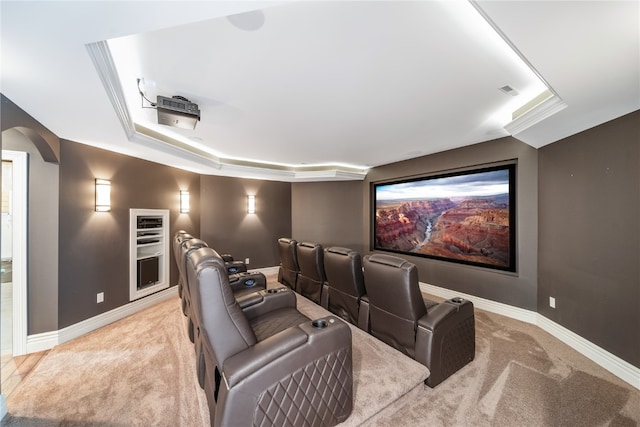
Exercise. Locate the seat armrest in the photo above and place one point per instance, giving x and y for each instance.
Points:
(445, 339)
(333, 335)
(247, 300)
(437, 315)
(272, 299)
(363, 313)
(315, 361)
(243, 364)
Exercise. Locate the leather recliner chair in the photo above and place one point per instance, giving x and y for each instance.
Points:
(344, 287)
(311, 276)
(289, 269)
(265, 363)
(440, 336)
(241, 283)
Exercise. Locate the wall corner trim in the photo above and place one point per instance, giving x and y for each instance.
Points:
(47, 340)
(612, 363)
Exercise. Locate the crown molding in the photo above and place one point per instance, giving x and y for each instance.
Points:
(103, 61)
(540, 112)
(209, 163)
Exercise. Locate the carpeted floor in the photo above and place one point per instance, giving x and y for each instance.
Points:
(132, 372)
(140, 371)
(381, 374)
(521, 376)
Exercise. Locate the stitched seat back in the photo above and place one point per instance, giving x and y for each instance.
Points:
(345, 282)
(395, 300)
(288, 273)
(311, 276)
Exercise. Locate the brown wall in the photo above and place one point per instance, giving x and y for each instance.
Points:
(517, 289)
(578, 205)
(226, 226)
(589, 200)
(329, 213)
(94, 246)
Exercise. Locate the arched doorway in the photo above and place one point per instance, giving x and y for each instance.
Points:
(14, 253)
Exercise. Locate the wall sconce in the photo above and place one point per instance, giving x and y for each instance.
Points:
(251, 204)
(184, 202)
(103, 195)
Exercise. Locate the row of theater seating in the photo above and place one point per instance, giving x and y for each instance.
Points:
(240, 280)
(381, 295)
(260, 361)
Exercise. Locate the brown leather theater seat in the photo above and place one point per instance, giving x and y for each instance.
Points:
(288, 272)
(440, 336)
(265, 363)
(344, 286)
(311, 276)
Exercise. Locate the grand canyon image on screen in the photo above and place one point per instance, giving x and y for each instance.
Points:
(463, 218)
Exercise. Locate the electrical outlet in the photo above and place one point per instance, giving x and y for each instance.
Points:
(246, 261)
(100, 297)
(552, 302)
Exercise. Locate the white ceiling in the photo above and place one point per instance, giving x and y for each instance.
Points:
(317, 90)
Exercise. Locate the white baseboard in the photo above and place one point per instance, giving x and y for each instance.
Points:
(521, 314)
(612, 363)
(608, 361)
(47, 340)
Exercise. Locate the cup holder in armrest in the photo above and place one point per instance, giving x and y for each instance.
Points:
(457, 300)
(319, 323)
(272, 291)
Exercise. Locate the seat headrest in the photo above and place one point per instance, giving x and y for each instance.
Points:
(310, 245)
(287, 241)
(338, 250)
(193, 243)
(390, 260)
(205, 257)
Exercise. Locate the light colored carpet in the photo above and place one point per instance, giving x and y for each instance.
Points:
(381, 374)
(521, 376)
(140, 371)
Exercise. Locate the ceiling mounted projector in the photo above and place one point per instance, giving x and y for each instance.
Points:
(178, 112)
